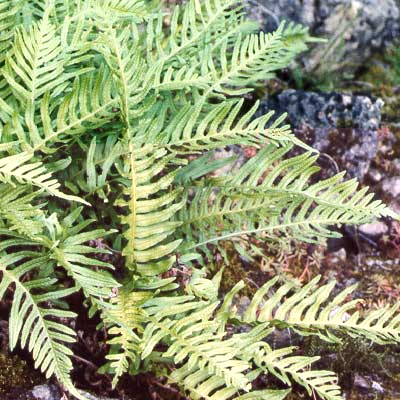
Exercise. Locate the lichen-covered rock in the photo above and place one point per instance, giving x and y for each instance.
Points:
(343, 127)
(354, 28)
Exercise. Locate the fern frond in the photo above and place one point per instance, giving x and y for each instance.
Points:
(311, 311)
(150, 210)
(31, 323)
(221, 125)
(8, 22)
(192, 26)
(69, 250)
(129, 10)
(126, 320)
(100, 157)
(195, 340)
(203, 385)
(17, 212)
(287, 368)
(17, 169)
(273, 197)
(36, 66)
(256, 57)
(87, 106)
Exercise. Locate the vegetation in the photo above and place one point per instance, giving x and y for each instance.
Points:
(108, 113)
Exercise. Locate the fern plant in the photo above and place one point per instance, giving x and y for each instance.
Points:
(108, 112)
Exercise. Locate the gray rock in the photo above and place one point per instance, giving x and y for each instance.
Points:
(361, 382)
(343, 127)
(233, 151)
(339, 256)
(374, 229)
(375, 175)
(46, 392)
(354, 28)
(51, 392)
(391, 186)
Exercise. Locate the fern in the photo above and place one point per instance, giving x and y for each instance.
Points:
(29, 320)
(116, 105)
(281, 204)
(312, 311)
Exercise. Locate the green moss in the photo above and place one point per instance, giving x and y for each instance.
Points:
(382, 78)
(16, 377)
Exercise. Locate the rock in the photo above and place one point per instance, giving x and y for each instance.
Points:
(354, 28)
(343, 126)
(51, 392)
(235, 152)
(339, 256)
(241, 305)
(46, 392)
(361, 382)
(391, 186)
(374, 229)
(374, 175)
(345, 317)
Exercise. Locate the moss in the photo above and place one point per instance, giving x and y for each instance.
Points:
(16, 377)
(234, 271)
(382, 79)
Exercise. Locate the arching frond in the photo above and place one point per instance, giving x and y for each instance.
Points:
(211, 387)
(223, 124)
(310, 310)
(31, 323)
(273, 197)
(256, 57)
(195, 340)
